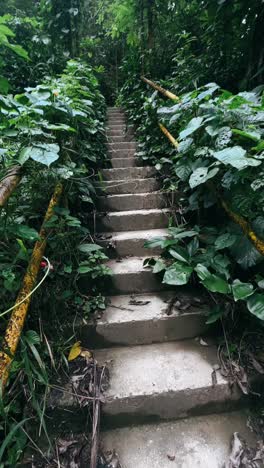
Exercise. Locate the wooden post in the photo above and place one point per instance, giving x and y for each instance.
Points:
(163, 91)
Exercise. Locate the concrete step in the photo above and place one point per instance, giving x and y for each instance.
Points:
(122, 145)
(132, 220)
(116, 120)
(114, 109)
(130, 186)
(127, 138)
(125, 162)
(121, 153)
(130, 201)
(198, 442)
(119, 130)
(163, 381)
(128, 173)
(130, 276)
(122, 244)
(145, 319)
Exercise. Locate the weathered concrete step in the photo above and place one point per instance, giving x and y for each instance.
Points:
(122, 145)
(130, 276)
(116, 121)
(128, 173)
(119, 130)
(114, 109)
(130, 186)
(122, 244)
(125, 162)
(198, 442)
(123, 138)
(130, 201)
(147, 318)
(121, 153)
(163, 381)
(132, 220)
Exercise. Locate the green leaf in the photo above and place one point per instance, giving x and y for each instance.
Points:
(180, 254)
(201, 175)
(192, 126)
(236, 157)
(4, 85)
(5, 31)
(19, 50)
(44, 154)
(154, 243)
(25, 232)
(255, 305)
(89, 248)
(215, 315)
(159, 266)
(242, 290)
(212, 282)
(224, 241)
(177, 274)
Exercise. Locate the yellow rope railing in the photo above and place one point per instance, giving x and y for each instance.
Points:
(17, 319)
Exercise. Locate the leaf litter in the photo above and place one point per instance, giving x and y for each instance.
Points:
(88, 381)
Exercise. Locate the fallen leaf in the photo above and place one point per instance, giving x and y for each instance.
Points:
(86, 354)
(75, 351)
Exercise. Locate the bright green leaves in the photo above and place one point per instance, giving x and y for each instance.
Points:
(255, 305)
(89, 248)
(4, 85)
(201, 175)
(43, 153)
(192, 126)
(242, 290)
(177, 274)
(235, 156)
(212, 282)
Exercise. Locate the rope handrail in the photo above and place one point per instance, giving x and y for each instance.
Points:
(19, 313)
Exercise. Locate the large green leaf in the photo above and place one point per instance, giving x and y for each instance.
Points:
(4, 85)
(201, 175)
(255, 305)
(225, 240)
(45, 154)
(26, 232)
(177, 274)
(180, 253)
(192, 126)
(159, 266)
(210, 281)
(236, 157)
(242, 290)
(89, 248)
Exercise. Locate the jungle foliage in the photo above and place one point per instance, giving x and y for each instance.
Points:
(57, 60)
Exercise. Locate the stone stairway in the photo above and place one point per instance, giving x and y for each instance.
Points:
(162, 408)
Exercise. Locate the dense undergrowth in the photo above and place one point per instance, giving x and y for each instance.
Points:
(54, 132)
(217, 169)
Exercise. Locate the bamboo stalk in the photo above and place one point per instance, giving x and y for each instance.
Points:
(17, 319)
(245, 226)
(169, 135)
(9, 183)
(163, 91)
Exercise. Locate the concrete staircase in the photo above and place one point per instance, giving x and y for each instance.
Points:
(162, 408)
